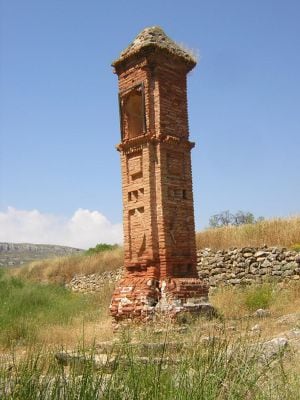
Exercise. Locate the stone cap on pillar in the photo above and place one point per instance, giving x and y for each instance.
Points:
(154, 37)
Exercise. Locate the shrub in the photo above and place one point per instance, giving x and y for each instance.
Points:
(260, 296)
(100, 247)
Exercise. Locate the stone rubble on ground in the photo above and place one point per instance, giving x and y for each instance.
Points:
(256, 328)
(144, 353)
(273, 348)
(261, 313)
(292, 318)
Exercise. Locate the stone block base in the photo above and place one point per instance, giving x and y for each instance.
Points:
(141, 298)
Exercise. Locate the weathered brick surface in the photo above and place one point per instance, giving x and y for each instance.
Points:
(158, 211)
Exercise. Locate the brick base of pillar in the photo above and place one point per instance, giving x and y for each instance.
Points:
(141, 298)
(134, 298)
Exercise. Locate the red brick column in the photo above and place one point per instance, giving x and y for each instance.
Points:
(158, 210)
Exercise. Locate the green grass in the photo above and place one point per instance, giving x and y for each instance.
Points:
(259, 296)
(236, 302)
(26, 307)
(220, 370)
(224, 367)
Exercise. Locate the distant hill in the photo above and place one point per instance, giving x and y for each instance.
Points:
(17, 254)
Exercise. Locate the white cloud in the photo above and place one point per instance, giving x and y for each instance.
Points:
(84, 229)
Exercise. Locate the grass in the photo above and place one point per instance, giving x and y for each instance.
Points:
(261, 296)
(274, 232)
(34, 312)
(236, 302)
(62, 269)
(38, 316)
(228, 368)
(44, 318)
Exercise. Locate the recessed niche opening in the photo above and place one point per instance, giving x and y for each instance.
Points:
(133, 113)
(133, 195)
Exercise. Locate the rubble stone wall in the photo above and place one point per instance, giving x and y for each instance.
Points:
(223, 267)
(248, 265)
(94, 282)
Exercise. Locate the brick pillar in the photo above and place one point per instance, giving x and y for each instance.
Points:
(158, 211)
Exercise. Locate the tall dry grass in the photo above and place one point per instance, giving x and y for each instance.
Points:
(274, 232)
(62, 269)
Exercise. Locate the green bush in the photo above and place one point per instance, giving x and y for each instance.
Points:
(100, 247)
(260, 296)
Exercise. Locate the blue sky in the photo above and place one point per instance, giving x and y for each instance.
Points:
(59, 110)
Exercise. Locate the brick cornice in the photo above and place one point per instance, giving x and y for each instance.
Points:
(135, 144)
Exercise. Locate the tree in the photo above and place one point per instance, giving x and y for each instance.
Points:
(225, 218)
(242, 217)
(222, 219)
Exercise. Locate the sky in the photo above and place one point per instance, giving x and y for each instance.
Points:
(60, 180)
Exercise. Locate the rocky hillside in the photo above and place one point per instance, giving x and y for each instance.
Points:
(16, 254)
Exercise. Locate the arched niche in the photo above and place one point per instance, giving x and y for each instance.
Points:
(132, 109)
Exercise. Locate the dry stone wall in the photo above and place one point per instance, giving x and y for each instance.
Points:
(248, 265)
(94, 282)
(223, 267)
